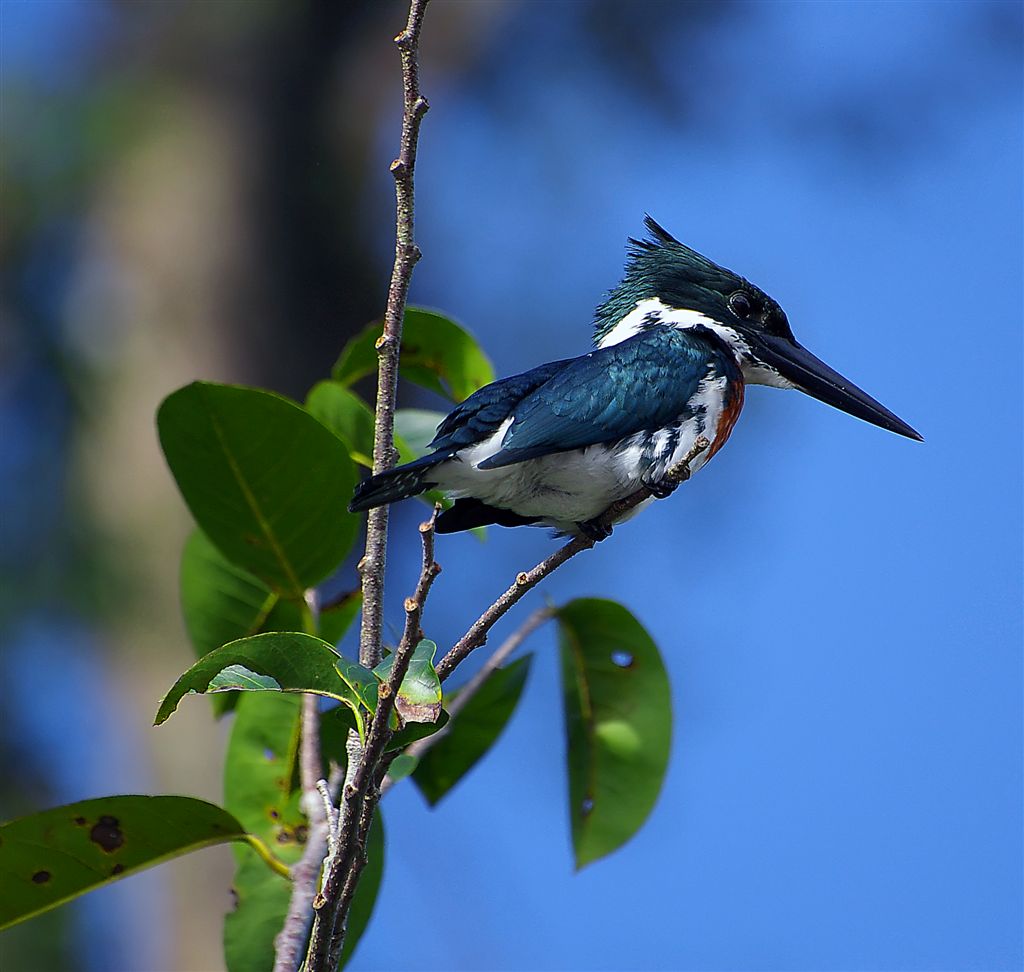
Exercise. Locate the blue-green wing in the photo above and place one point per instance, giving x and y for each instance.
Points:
(644, 383)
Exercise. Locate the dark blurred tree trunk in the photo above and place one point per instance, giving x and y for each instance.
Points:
(310, 245)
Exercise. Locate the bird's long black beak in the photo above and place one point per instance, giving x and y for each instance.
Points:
(813, 376)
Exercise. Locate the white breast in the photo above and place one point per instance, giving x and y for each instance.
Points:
(565, 488)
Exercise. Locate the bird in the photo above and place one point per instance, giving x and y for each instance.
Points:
(675, 345)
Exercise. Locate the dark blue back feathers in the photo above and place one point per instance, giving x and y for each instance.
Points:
(642, 384)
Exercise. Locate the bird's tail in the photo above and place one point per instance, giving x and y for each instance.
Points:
(395, 484)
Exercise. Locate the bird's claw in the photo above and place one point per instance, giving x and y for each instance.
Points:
(595, 530)
(662, 489)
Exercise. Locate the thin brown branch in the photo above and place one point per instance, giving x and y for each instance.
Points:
(507, 647)
(529, 579)
(361, 792)
(371, 567)
(355, 871)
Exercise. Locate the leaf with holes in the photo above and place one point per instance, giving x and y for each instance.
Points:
(618, 716)
(266, 482)
(53, 856)
(436, 353)
(419, 695)
(472, 731)
(286, 661)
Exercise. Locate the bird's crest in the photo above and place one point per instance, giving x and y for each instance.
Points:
(660, 266)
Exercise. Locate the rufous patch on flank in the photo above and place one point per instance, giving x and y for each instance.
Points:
(730, 413)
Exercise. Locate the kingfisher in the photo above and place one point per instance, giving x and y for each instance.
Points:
(675, 344)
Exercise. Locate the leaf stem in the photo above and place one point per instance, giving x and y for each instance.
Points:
(274, 863)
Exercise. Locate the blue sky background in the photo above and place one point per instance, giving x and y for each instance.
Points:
(839, 609)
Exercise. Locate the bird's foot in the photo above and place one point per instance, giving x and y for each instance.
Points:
(659, 489)
(596, 529)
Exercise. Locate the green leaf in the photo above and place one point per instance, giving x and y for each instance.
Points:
(51, 857)
(336, 620)
(365, 896)
(436, 353)
(419, 695)
(618, 716)
(261, 903)
(347, 416)
(286, 661)
(336, 723)
(417, 427)
(220, 602)
(401, 766)
(472, 731)
(351, 420)
(258, 770)
(223, 603)
(266, 482)
(285, 616)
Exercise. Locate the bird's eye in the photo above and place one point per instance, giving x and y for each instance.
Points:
(740, 305)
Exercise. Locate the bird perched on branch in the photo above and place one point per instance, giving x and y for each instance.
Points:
(676, 343)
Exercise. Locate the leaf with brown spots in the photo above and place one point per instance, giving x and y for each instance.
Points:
(53, 856)
(419, 695)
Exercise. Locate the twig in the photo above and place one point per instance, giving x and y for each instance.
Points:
(529, 579)
(332, 816)
(360, 793)
(457, 704)
(359, 862)
(371, 567)
(360, 790)
(291, 939)
(509, 645)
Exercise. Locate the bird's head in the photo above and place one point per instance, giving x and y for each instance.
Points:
(667, 283)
